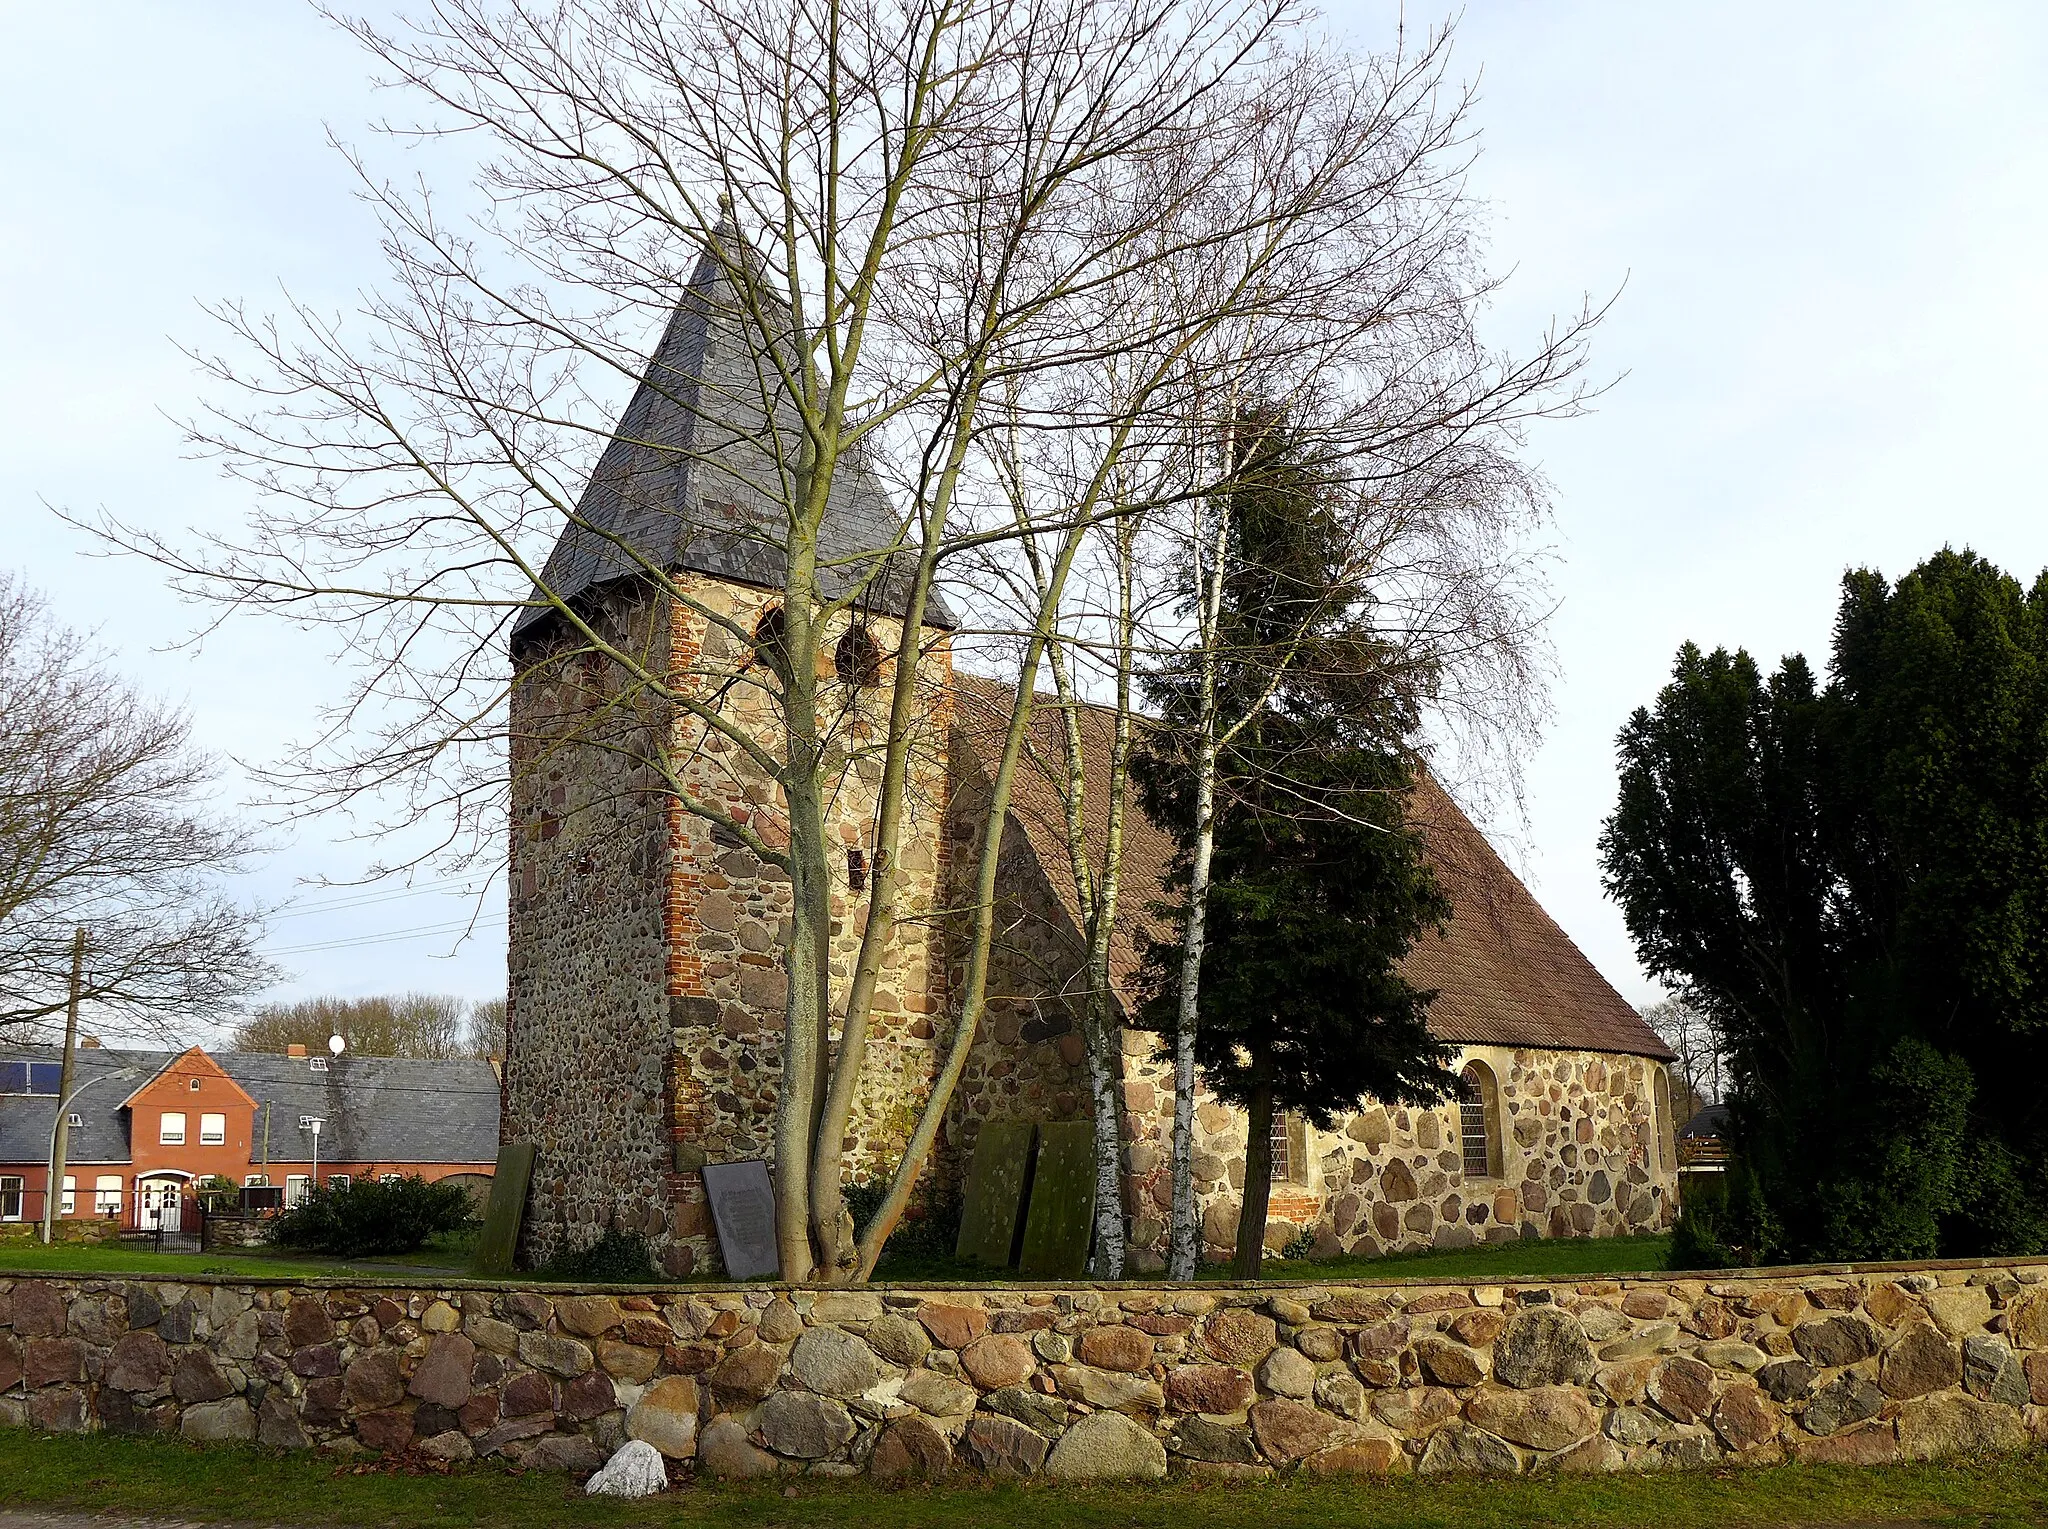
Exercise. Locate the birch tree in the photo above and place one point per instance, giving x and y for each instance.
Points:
(911, 208)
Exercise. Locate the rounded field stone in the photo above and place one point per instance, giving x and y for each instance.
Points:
(833, 1362)
(666, 1417)
(1002, 1446)
(807, 1427)
(1116, 1348)
(1919, 1360)
(1544, 1417)
(1542, 1346)
(1238, 1335)
(1106, 1446)
(997, 1360)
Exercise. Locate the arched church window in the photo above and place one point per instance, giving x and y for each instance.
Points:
(771, 639)
(1666, 1127)
(857, 659)
(1478, 1115)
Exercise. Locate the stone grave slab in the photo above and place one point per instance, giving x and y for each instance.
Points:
(499, 1239)
(743, 1212)
(994, 1200)
(1062, 1213)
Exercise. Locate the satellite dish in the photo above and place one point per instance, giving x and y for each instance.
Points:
(336, 1044)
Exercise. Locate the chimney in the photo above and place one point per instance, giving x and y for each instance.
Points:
(294, 1049)
(88, 1043)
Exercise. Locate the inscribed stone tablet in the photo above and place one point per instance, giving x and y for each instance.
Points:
(499, 1239)
(1062, 1210)
(994, 1201)
(743, 1211)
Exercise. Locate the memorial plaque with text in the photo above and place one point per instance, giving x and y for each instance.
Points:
(994, 1200)
(743, 1212)
(1062, 1214)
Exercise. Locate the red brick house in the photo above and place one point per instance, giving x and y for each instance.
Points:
(147, 1126)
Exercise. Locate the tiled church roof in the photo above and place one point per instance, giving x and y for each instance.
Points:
(1504, 972)
(693, 476)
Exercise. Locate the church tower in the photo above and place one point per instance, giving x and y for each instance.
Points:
(646, 988)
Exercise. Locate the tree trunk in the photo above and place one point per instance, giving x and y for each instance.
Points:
(1187, 1227)
(1104, 1091)
(1258, 1186)
(804, 1030)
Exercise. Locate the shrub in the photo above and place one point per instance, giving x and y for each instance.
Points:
(371, 1217)
(616, 1258)
(930, 1226)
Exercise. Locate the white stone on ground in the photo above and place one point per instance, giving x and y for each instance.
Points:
(637, 1470)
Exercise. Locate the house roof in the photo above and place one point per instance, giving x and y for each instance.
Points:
(376, 1109)
(693, 476)
(1504, 972)
(206, 1066)
(25, 1119)
(1708, 1120)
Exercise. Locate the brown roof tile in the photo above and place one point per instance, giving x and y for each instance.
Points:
(1504, 972)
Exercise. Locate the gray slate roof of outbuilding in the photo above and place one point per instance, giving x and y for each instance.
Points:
(377, 1109)
(25, 1119)
(693, 477)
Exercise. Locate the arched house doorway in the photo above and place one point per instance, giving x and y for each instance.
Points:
(160, 1200)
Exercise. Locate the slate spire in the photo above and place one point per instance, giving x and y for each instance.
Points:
(700, 467)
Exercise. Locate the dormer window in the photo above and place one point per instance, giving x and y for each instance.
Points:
(318, 1064)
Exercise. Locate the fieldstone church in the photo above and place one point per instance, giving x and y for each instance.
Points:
(646, 989)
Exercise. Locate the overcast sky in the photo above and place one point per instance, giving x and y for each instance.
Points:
(1826, 224)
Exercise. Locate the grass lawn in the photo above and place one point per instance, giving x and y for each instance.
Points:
(103, 1473)
(448, 1255)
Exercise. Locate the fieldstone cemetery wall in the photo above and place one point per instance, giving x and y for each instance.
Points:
(1860, 1366)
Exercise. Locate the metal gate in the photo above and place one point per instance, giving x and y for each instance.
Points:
(159, 1205)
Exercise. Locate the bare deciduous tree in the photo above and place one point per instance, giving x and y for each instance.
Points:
(434, 1026)
(1689, 1031)
(103, 827)
(916, 224)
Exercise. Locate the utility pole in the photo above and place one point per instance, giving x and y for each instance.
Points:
(53, 1191)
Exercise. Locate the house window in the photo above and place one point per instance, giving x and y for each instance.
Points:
(213, 1130)
(856, 870)
(106, 1195)
(340, 1180)
(74, 1121)
(10, 1198)
(318, 1064)
(171, 1130)
(1476, 1115)
(297, 1188)
(70, 1200)
(257, 1181)
(195, 1085)
(389, 1178)
(30, 1077)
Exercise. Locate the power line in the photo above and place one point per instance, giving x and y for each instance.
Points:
(369, 899)
(391, 937)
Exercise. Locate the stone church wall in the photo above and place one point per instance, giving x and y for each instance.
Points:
(586, 1026)
(728, 913)
(1575, 1135)
(1027, 1062)
(1073, 1383)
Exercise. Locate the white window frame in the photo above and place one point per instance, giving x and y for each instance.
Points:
(164, 1133)
(12, 1191)
(255, 1181)
(298, 1188)
(68, 1201)
(106, 1195)
(340, 1180)
(213, 1129)
(389, 1178)
(74, 1120)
